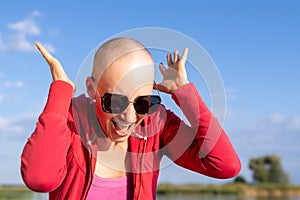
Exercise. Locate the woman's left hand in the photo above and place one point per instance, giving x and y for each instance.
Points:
(175, 75)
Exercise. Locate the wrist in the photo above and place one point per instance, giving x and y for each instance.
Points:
(179, 83)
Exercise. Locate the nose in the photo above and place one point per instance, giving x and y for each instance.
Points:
(129, 115)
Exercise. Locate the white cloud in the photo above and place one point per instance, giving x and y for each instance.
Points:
(14, 132)
(8, 90)
(17, 128)
(295, 124)
(19, 42)
(22, 30)
(2, 45)
(27, 26)
(8, 84)
(8, 128)
(49, 47)
(7, 125)
(287, 123)
(17, 84)
(273, 134)
(278, 118)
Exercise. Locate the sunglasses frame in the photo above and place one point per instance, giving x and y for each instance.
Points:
(131, 102)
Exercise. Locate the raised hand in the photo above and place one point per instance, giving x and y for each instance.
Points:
(175, 75)
(56, 69)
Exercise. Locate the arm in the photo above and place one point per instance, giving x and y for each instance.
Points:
(202, 147)
(43, 160)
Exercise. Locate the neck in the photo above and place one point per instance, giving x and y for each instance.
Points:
(105, 144)
(113, 156)
(122, 145)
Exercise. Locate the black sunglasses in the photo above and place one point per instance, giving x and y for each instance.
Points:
(117, 103)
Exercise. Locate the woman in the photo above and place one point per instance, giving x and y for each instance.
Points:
(109, 145)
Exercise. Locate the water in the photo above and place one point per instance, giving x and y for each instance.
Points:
(42, 196)
(221, 197)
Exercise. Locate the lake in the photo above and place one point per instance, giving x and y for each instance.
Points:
(221, 197)
(38, 196)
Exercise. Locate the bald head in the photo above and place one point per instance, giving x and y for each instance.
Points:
(121, 66)
(111, 51)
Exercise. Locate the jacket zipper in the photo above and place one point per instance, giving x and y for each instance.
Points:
(141, 166)
(91, 172)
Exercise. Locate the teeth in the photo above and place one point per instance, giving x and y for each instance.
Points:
(121, 125)
(124, 124)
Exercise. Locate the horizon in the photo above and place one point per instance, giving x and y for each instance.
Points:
(255, 46)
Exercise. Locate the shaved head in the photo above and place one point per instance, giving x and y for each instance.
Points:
(121, 66)
(112, 50)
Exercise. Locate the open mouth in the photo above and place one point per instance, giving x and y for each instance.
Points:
(122, 129)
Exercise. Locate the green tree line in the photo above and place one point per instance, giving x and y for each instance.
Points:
(266, 169)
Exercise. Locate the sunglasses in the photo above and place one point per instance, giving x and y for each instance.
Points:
(117, 103)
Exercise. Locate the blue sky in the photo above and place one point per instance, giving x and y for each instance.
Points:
(255, 45)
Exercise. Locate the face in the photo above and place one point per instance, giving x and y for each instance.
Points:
(131, 75)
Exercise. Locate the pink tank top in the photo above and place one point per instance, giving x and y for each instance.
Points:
(111, 188)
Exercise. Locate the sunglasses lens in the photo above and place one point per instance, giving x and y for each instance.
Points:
(147, 104)
(114, 103)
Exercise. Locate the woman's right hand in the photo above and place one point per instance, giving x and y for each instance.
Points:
(56, 69)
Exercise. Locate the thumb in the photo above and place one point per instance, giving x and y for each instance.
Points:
(160, 87)
(47, 56)
(57, 70)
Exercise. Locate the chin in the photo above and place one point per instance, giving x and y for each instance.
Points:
(117, 135)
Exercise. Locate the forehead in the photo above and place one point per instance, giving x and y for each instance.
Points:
(112, 50)
(128, 74)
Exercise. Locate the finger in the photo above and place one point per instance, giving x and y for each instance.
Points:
(169, 60)
(155, 86)
(175, 56)
(162, 88)
(162, 68)
(44, 52)
(185, 54)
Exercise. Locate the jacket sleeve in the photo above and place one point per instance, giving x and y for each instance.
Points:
(202, 146)
(43, 160)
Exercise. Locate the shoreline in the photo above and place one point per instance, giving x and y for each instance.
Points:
(242, 189)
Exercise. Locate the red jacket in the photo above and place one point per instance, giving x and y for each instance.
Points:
(57, 158)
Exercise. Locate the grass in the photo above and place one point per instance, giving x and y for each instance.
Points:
(21, 192)
(15, 192)
(233, 188)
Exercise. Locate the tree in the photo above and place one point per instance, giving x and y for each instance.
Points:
(268, 169)
(240, 179)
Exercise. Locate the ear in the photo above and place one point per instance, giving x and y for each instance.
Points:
(91, 87)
